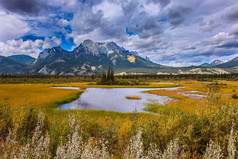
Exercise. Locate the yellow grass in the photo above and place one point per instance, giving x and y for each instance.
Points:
(195, 106)
(40, 94)
(169, 93)
(32, 94)
(122, 124)
(227, 89)
(133, 97)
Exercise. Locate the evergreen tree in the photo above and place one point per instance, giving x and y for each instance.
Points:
(109, 77)
(103, 77)
(109, 74)
(112, 75)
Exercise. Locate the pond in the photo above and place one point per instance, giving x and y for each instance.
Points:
(113, 99)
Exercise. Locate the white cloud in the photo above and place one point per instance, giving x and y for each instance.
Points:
(63, 23)
(29, 47)
(203, 29)
(110, 10)
(12, 26)
(66, 5)
(151, 8)
(14, 47)
(50, 42)
(234, 29)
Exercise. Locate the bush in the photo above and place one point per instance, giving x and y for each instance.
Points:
(234, 96)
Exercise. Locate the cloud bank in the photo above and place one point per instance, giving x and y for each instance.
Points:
(169, 32)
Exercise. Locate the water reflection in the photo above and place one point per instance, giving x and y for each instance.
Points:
(113, 99)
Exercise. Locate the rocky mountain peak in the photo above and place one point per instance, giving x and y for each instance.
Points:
(89, 43)
(217, 62)
(49, 53)
(98, 48)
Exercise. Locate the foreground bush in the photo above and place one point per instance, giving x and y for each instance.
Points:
(73, 146)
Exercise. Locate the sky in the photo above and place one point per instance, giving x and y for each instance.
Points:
(169, 32)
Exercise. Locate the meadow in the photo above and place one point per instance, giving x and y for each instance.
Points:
(185, 127)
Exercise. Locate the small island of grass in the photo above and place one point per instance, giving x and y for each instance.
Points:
(133, 97)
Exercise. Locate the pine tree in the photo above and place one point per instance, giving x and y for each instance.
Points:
(109, 74)
(103, 77)
(112, 75)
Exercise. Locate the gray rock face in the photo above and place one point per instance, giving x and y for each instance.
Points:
(88, 58)
(217, 62)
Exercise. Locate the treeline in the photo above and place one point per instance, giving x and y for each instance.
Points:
(129, 76)
(200, 77)
(15, 79)
(110, 78)
(4, 75)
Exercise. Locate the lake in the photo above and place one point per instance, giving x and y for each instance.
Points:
(113, 99)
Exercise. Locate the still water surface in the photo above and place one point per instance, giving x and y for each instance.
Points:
(113, 99)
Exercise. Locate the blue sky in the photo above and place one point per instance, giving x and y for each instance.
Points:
(169, 32)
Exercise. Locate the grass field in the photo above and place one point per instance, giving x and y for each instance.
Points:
(133, 97)
(224, 90)
(194, 121)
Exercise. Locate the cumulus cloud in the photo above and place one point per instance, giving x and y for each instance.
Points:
(234, 29)
(151, 8)
(28, 47)
(169, 32)
(131, 16)
(63, 23)
(14, 47)
(50, 42)
(86, 21)
(12, 26)
(30, 7)
(178, 14)
(109, 10)
(209, 26)
(65, 5)
(232, 14)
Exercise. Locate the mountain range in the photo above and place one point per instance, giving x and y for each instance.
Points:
(94, 57)
(24, 59)
(213, 64)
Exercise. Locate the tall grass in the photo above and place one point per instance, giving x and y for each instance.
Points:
(73, 146)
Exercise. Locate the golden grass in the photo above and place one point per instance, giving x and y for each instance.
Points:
(133, 97)
(170, 93)
(122, 124)
(184, 103)
(33, 94)
(195, 106)
(42, 94)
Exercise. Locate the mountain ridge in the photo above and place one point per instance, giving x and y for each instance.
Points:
(94, 57)
(88, 58)
(25, 59)
(8, 65)
(212, 64)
